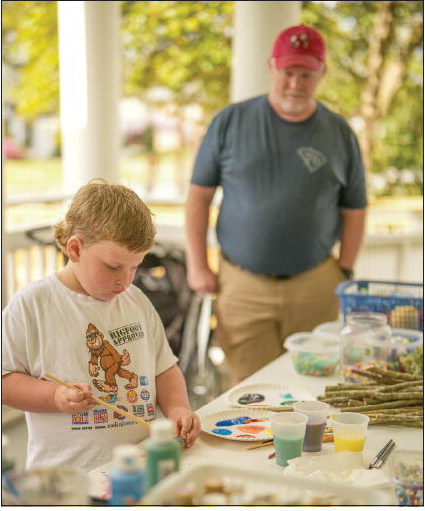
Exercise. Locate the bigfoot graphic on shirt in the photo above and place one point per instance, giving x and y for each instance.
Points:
(103, 354)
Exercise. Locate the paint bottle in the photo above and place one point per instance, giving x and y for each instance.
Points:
(127, 476)
(9, 493)
(162, 452)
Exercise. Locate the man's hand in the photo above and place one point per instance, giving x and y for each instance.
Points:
(202, 281)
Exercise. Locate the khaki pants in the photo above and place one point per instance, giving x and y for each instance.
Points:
(256, 313)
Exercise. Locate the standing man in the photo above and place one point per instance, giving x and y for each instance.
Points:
(293, 184)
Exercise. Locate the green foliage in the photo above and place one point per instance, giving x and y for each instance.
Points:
(30, 53)
(347, 27)
(184, 46)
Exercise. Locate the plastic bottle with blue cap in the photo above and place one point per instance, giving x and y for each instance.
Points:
(127, 476)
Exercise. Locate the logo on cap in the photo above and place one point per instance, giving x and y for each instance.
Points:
(299, 40)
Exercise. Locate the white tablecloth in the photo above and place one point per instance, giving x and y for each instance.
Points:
(209, 449)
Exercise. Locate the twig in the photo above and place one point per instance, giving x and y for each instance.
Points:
(395, 374)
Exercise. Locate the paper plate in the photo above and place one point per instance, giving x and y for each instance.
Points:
(250, 426)
(257, 395)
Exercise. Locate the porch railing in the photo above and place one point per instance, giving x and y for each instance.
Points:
(395, 257)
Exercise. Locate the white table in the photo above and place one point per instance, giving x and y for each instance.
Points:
(209, 448)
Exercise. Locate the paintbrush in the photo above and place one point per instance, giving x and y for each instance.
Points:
(100, 401)
(327, 437)
(274, 408)
(264, 444)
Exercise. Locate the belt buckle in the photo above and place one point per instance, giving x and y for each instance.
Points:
(281, 277)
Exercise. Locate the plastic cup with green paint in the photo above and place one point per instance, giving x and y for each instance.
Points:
(288, 435)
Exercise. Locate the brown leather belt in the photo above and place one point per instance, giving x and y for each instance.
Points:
(274, 277)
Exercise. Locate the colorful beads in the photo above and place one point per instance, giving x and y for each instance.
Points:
(409, 494)
(315, 364)
(408, 472)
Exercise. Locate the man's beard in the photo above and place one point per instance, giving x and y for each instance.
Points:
(298, 106)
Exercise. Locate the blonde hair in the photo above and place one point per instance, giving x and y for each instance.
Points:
(107, 212)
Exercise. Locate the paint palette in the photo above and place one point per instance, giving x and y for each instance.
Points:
(235, 425)
(259, 395)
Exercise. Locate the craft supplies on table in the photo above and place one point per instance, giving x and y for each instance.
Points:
(48, 486)
(127, 476)
(365, 341)
(403, 342)
(253, 425)
(319, 468)
(229, 484)
(162, 452)
(408, 473)
(313, 354)
(267, 395)
(382, 455)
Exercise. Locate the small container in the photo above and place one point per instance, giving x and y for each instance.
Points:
(59, 485)
(288, 435)
(350, 430)
(403, 341)
(313, 354)
(408, 477)
(365, 341)
(162, 452)
(127, 476)
(317, 413)
(331, 329)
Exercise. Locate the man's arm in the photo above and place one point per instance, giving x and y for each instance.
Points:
(352, 230)
(199, 275)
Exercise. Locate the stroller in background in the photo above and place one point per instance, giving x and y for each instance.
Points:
(188, 321)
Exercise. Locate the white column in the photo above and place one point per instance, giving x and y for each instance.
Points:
(90, 87)
(256, 25)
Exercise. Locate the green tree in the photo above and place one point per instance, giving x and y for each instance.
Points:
(374, 61)
(184, 46)
(374, 77)
(30, 57)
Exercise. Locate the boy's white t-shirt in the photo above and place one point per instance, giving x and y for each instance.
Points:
(44, 331)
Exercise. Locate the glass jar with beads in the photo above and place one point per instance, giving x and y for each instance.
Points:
(365, 341)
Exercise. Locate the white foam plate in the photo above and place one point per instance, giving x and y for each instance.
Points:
(244, 426)
(272, 394)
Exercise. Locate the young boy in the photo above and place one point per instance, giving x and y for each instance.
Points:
(88, 323)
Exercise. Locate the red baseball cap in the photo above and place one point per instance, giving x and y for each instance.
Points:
(300, 46)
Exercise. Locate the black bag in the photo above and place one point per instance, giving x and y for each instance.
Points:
(162, 277)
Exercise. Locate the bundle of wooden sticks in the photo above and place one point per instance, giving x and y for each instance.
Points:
(391, 397)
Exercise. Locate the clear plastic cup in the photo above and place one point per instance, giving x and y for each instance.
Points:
(48, 486)
(349, 431)
(317, 413)
(288, 435)
(408, 477)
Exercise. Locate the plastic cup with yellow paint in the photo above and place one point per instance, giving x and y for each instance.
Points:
(349, 431)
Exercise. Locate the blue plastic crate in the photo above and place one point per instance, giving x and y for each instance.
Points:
(402, 302)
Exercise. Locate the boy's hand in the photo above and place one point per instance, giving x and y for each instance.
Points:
(70, 401)
(186, 424)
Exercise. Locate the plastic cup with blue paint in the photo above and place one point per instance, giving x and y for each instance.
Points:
(288, 435)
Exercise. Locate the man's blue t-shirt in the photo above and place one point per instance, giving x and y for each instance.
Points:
(283, 184)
